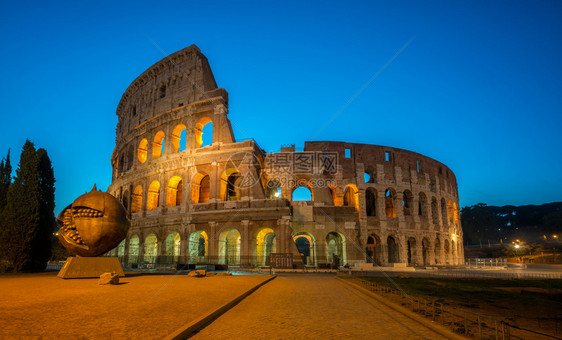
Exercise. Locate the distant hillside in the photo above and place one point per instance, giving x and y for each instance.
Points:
(490, 224)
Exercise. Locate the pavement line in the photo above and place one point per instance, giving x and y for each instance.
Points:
(198, 324)
(406, 312)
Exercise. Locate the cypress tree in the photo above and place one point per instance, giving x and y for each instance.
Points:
(47, 221)
(5, 179)
(22, 212)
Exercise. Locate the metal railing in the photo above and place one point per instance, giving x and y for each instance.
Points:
(460, 321)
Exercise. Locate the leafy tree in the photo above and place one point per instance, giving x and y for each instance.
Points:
(478, 224)
(28, 219)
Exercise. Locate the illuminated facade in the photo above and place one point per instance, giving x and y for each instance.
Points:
(228, 202)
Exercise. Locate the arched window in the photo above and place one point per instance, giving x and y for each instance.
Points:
(422, 205)
(230, 185)
(174, 192)
(351, 196)
(158, 145)
(137, 199)
(130, 157)
(302, 194)
(273, 189)
(200, 188)
(178, 137)
(407, 202)
(153, 196)
(444, 212)
(204, 133)
(143, 150)
(451, 211)
(434, 211)
(389, 196)
(370, 202)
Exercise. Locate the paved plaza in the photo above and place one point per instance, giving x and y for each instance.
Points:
(312, 307)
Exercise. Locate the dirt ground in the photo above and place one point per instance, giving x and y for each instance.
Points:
(142, 307)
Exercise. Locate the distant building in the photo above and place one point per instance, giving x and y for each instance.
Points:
(230, 202)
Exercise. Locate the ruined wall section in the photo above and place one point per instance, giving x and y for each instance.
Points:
(179, 79)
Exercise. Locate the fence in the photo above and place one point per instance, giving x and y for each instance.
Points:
(462, 274)
(486, 262)
(459, 321)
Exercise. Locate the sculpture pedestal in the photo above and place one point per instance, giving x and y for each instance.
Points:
(90, 267)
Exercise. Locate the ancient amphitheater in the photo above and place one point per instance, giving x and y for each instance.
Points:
(227, 201)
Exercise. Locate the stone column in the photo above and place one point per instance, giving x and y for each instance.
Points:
(245, 249)
(213, 243)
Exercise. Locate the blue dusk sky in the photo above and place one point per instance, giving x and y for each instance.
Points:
(474, 84)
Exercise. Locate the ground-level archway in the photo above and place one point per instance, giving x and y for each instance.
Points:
(335, 246)
(198, 247)
(265, 245)
(229, 247)
(306, 247)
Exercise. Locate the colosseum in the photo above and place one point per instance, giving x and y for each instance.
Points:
(198, 196)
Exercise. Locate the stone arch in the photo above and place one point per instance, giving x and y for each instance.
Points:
(422, 205)
(336, 249)
(198, 247)
(199, 130)
(142, 152)
(178, 143)
(303, 182)
(136, 205)
(150, 248)
(407, 203)
(174, 192)
(412, 251)
(264, 246)
(133, 249)
(303, 191)
(273, 189)
(451, 212)
(455, 214)
(454, 252)
(444, 212)
(125, 200)
(373, 249)
(121, 251)
(392, 249)
(447, 254)
(153, 196)
(351, 196)
(306, 246)
(434, 211)
(229, 246)
(389, 202)
(158, 144)
(425, 251)
(200, 188)
(437, 249)
(130, 157)
(371, 202)
(370, 175)
(230, 185)
(172, 247)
